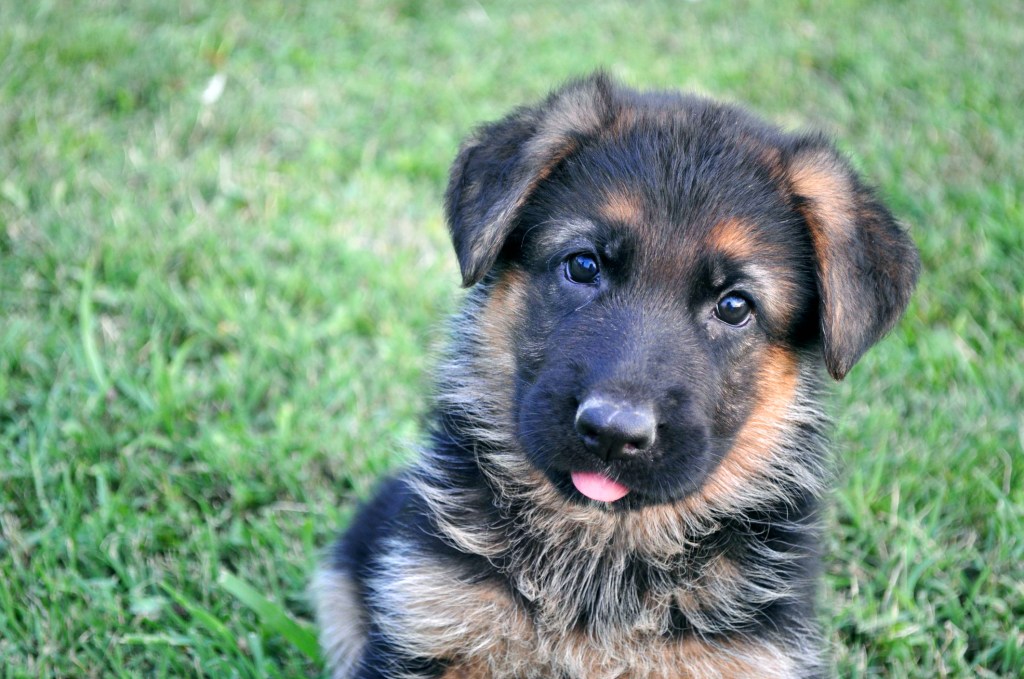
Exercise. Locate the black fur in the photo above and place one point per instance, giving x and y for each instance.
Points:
(489, 557)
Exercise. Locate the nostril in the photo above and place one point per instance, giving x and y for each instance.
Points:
(587, 423)
(614, 429)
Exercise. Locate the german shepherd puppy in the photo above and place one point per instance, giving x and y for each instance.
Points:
(627, 455)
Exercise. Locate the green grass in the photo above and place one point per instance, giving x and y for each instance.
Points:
(215, 318)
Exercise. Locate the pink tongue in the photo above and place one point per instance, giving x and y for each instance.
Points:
(598, 487)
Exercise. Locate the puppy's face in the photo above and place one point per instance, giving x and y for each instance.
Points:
(676, 264)
(653, 321)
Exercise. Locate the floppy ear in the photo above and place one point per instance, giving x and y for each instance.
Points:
(867, 265)
(500, 165)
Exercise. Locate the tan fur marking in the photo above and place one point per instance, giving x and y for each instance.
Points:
(735, 661)
(467, 671)
(831, 219)
(820, 180)
(830, 215)
(437, 615)
(623, 208)
(753, 450)
(502, 314)
(734, 238)
(504, 311)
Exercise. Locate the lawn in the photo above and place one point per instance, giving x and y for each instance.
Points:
(223, 269)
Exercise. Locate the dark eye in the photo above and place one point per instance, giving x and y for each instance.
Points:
(733, 309)
(581, 268)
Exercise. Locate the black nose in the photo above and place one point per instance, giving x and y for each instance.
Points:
(615, 429)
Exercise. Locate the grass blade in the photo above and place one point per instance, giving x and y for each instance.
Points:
(86, 327)
(203, 617)
(273, 616)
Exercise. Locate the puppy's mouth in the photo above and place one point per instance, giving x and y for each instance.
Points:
(598, 486)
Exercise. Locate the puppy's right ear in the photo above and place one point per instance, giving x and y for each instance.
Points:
(499, 167)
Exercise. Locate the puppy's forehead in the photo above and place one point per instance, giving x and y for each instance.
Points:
(672, 172)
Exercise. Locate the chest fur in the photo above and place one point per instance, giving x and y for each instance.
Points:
(600, 625)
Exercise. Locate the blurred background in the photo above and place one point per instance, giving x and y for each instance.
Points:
(223, 268)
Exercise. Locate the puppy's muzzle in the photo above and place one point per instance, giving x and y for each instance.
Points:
(615, 429)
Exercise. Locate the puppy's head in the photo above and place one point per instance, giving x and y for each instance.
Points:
(678, 269)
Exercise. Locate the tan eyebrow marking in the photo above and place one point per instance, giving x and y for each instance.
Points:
(623, 207)
(735, 238)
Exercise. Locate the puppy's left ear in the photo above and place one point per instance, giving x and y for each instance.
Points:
(866, 264)
(499, 167)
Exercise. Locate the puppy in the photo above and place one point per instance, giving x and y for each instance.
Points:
(626, 454)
